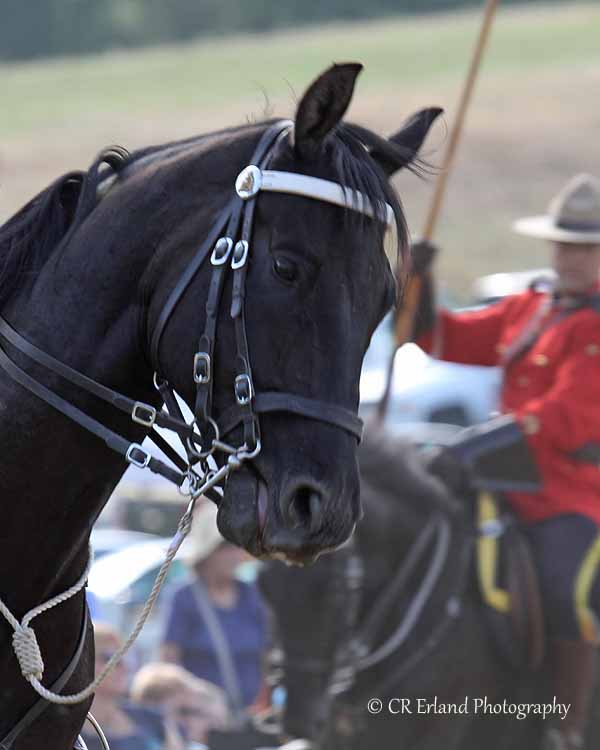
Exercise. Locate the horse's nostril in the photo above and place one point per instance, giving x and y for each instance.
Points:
(304, 509)
(316, 510)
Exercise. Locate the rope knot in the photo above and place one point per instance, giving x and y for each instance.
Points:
(27, 651)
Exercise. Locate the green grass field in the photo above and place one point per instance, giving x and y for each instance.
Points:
(211, 73)
(535, 119)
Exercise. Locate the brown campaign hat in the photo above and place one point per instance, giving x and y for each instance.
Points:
(573, 215)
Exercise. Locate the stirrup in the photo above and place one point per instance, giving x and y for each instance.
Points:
(99, 732)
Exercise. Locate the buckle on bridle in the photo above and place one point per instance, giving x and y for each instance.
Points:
(240, 254)
(243, 389)
(138, 456)
(143, 414)
(201, 367)
(221, 252)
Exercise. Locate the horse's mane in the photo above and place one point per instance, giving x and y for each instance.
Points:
(396, 468)
(347, 148)
(34, 232)
(49, 219)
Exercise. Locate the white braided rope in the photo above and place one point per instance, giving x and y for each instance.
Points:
(25, 642)
(182, 532)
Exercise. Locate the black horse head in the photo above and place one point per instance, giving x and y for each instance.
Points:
(318, 284)
(290, 331)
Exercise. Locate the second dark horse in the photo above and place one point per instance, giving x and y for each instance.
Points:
(444, 652)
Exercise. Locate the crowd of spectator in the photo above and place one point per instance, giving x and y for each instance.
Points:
(209, 678)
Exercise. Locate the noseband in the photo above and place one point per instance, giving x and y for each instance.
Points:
(227, 246)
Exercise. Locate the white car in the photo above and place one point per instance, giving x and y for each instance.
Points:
(494, 286)
(106, 539)
(426, 390)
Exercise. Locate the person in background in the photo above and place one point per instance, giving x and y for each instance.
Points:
(194, 705)
(126, 727)
(216, 625)
(547, 341)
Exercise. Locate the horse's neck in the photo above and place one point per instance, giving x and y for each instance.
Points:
(55, 476)
(85, 308)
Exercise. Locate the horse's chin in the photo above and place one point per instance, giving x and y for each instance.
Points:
(245, 513)
(242, 513)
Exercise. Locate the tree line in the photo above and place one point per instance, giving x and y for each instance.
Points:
(45, 28)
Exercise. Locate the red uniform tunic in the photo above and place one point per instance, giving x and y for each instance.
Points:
(556, 380)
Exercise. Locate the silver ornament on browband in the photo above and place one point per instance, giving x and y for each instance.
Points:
(249, 182)
(252, 179)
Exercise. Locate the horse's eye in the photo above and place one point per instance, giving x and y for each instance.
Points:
(286, 269)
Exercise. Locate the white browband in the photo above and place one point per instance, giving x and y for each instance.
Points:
(252, 179)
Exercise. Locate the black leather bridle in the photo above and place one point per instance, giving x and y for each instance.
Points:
(226, 246)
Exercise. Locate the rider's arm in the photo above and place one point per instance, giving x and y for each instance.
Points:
(470, 337)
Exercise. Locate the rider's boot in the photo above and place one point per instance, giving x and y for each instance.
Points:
(573, 671)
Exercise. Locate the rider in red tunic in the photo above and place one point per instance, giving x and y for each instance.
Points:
(547, 340)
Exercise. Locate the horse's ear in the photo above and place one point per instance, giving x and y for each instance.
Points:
(408, 141)
(323, 106)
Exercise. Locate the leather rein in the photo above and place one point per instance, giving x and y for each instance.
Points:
(356, 650)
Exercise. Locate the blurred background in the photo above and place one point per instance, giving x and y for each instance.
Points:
(78, 75)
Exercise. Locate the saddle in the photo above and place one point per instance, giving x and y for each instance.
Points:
(508, 585)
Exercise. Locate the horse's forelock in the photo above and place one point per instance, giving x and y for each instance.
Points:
(357, 170)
